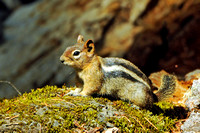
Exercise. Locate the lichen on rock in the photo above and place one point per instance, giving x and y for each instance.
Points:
(193, 100)
(192, 124)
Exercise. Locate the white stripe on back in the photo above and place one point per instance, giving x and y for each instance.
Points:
(123, 69)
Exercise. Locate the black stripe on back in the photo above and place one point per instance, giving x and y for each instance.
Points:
(122, 74)
(129, 67)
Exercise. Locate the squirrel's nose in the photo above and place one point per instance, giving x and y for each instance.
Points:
(62, 61)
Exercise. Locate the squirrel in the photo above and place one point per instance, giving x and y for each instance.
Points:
(113, 76)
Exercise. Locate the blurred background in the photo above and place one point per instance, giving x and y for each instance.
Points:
(153, 34)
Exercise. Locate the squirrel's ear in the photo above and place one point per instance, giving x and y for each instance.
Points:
(89, 45)
(80, 39)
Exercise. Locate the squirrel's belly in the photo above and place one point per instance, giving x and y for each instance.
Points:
(125, 89)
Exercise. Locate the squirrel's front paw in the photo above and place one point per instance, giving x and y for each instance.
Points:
(75, 92)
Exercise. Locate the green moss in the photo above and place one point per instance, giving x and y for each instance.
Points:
(1, 122)
(143, 120)
(48, 109)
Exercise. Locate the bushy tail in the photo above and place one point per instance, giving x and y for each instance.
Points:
(167, 87)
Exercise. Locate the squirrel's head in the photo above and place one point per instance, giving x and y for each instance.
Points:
(80, 54)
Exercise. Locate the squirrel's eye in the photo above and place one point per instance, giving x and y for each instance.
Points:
(76, 53)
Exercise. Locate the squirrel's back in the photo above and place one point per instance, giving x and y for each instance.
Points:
(118, 67)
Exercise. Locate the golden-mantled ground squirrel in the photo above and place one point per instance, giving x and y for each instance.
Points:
(112, 76)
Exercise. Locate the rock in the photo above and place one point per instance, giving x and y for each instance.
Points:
(12, 4)
(4, 12)
(193, 100)
(109, 125)
(56, 123)
(193, 75)
(192, 124)
(41, 111)
(196, 88)
(108, 111)
(112, 130)
(32, 65)
(27, 1)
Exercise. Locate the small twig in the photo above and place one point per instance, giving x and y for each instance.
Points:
(9, 83)
(40, 131)
(127, 118)
(135, 120)
(79, 126)
(10, 118)
(58, 95)
(171, 129)
(65, 101)
(46, 104)
(151, 123)
(14, 117)
(12, 124)
(57, 99)
(139, 123)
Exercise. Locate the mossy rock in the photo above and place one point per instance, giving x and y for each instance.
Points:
(48, 109)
